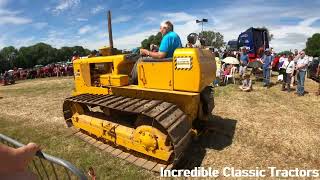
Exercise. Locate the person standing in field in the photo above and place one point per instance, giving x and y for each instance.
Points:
(266, 67)
(244, 59)
(301, 67)
(289, 66)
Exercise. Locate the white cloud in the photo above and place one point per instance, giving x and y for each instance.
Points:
(12, 17)
(5, 12)
(179, 17)
(150, 19)
(14, 20)
(3, 3)
(86, 29)
(24, 41)
(133, 40)
(121, 19)
(65, 5)
(82, 19)
(97, 9)
(131, 4)
(308, 21)
(40, 25)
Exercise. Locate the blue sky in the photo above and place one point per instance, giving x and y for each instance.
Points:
(79, 22)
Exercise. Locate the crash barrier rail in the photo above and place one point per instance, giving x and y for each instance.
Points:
(47, 166)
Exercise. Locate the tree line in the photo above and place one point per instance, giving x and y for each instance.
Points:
(38, 54)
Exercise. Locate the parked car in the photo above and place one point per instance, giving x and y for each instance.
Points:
(312, 69)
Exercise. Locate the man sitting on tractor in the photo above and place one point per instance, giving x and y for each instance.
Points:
(170, 42)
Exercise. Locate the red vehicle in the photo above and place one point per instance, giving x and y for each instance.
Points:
(275, 63)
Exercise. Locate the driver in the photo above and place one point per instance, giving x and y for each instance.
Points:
(170, 42)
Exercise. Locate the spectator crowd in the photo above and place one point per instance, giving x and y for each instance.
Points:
(292, 68)
(51, 70)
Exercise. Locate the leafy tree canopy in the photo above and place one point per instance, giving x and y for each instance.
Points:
(313, 45)
(40, 53)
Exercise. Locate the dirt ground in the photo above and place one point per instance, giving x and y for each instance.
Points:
(262, 128)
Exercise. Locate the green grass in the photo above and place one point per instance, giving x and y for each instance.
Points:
(37, 86)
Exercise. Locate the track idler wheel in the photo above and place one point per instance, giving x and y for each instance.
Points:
(150, 138)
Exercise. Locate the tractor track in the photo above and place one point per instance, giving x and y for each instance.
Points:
(166, 115)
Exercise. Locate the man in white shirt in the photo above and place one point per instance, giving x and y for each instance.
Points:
(282, 68)
(301, 67)
(289, 67)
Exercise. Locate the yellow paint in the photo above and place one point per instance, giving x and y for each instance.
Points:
(201, 72)
(114, 80)
(144, 139)
(155, 75)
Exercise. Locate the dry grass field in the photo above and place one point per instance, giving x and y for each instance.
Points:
(268, 127)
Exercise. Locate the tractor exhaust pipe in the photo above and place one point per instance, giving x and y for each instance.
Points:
(110, 30)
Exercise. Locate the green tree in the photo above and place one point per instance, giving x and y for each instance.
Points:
(153, 39)
(313, 45)
(40, 53)
(8, 56)
(285, 52)
(212, 38)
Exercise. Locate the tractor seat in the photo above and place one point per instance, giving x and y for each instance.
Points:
(148, 59)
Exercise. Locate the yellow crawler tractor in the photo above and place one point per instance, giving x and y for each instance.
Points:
(157, 117)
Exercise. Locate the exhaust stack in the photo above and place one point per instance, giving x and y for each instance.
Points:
(110, 30)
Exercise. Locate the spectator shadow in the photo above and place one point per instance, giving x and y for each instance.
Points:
(219, 135)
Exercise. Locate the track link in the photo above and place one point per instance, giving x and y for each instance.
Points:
(166, 115)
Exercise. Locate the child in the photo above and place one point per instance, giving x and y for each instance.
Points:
(246, 83)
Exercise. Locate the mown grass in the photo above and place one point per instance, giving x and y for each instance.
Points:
(34, 87)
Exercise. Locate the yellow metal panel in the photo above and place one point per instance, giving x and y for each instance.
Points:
(155, 75)
(208, 67)
(194, 69)
(85, 72)
(114, 80)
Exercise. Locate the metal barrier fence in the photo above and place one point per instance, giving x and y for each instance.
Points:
(47, 166)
